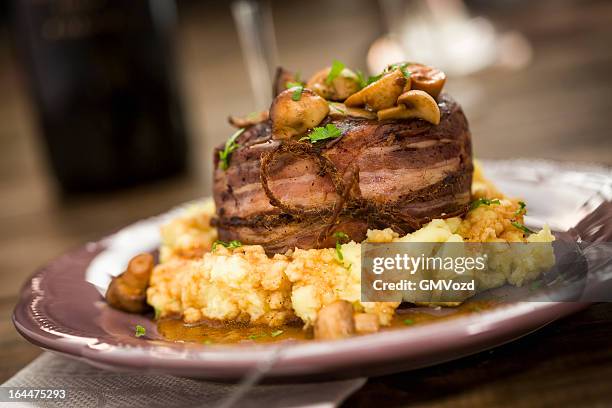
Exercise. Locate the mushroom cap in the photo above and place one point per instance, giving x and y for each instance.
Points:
(340, 88)
(339, 110)
(294, 117)
(381, 94)
(426, 78)
(413, 104)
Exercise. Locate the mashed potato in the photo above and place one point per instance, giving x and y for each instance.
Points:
(320, 278)
(189, 235)
(243, 284)
(481, 186)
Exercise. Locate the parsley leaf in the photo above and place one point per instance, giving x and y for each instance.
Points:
(292, 84)
(340, 236)
(335, 70)
(230, 146)
(339, 251)
(277, 333)
(522, 208)
(296, 81)
(140, 331)
(321, 133)
(520, 226)
(483, 201)
(363, 81)
(256, 336)
(403, 66)
(374, 78)
(297, 93)
(229, 245)
(408, 322)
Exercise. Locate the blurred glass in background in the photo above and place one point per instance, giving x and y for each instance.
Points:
(102, 76)
(444, 33)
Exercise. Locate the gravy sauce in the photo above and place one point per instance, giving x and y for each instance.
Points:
(232, 333)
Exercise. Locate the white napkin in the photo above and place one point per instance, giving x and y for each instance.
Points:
(87, 386)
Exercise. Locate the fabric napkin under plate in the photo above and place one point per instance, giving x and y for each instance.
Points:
(88, 386)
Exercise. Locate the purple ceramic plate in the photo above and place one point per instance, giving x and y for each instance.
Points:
(60, 310)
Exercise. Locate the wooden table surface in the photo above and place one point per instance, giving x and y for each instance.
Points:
(558, 107)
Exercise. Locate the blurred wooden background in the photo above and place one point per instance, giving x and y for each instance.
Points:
(558, 108)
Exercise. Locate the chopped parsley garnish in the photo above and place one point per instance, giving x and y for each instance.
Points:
(408, 322)
(374, 78)
(296, 81)
(230, 146)
(293, 84)
(522, 208)
(483, 201)
(339, 251)
(340, 236)
(335, 70)
(363, 81)
(297, 93)
(140, 331)
(321, 133)
(277, 333)
(403, 66)
(520, 226)
(256, 336)
(229, 245)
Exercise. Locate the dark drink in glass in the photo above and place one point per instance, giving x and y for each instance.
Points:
(101, 73)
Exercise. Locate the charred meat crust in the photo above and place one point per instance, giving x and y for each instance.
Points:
(397, 174)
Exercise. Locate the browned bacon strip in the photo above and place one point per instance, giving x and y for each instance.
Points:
(398, 174)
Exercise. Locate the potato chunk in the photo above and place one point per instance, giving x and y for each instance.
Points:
(335, 321)
(366, 323)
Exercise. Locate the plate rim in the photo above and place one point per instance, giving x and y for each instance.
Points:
(470, 334)
(299, 358)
